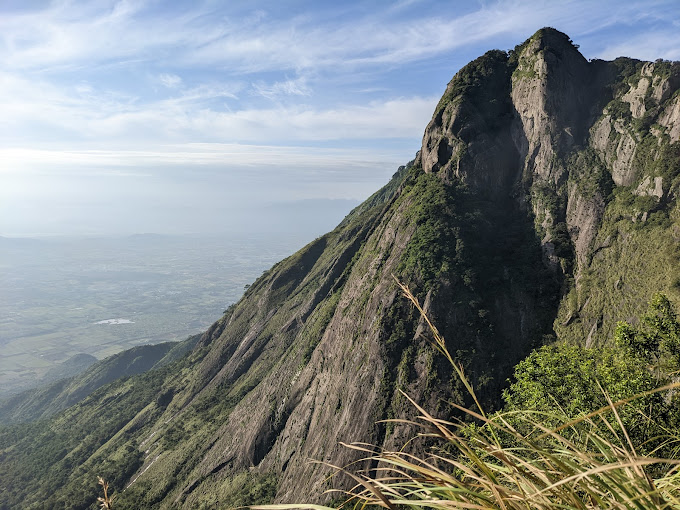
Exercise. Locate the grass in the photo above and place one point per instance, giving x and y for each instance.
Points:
(105, 502)
(637, 260)
(584, 463)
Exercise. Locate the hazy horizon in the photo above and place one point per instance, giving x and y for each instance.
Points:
(307, 218)
(66, 296)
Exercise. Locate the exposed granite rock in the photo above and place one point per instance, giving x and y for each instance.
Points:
(650, 187)
(551, 93)
(583, 218)
(638, 92)
(670, 119)
(469, 136)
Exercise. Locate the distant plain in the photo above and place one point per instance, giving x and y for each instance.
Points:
(65, 296)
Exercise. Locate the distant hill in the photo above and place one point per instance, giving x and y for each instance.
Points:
(70, 367)
(69, 389)
(542, 207)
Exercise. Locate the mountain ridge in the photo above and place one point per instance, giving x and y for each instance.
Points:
(536, 187)
(48, 399)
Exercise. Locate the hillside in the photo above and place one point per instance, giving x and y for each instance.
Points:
(541, 207)
(51, 398)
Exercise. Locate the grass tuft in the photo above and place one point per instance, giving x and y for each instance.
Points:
(106, 502)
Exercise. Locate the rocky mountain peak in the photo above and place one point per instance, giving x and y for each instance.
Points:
(552, 40)
(520, 108)
(519, 124)
(468, 134)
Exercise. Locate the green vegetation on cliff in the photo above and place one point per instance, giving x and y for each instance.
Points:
(578, 380)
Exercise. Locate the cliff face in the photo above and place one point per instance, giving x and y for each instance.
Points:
(541, 206)
(593, 158)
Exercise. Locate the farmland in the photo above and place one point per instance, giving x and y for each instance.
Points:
(66, 296)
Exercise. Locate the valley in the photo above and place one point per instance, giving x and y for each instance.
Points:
(98, 296)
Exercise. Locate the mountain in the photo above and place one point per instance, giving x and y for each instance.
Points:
(541, 207)
(49, 399)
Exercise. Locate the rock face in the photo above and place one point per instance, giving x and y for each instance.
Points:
(542, 206)
(552, 94)
(470, 136)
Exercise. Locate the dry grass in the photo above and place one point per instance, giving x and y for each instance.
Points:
(491, 465)
(106, 502)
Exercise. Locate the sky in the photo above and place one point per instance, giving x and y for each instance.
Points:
(122, 117)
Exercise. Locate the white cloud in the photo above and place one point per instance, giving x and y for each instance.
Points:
(143, 90)
(39, 108)
(37, 112)
(401, 118)
(661, 44)
(276, 90)
(170, 81)
(117, 162)
(92, 33)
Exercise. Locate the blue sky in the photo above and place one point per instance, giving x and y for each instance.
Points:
(138, 116)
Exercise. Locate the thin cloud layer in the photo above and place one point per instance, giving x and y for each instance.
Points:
(67, 35)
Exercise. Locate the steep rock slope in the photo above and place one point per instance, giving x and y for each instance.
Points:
(598, 147)
(604, 179)
(541, 205)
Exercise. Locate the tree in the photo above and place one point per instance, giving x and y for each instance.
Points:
(575, 380)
